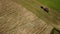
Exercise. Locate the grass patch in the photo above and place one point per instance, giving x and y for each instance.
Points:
(55, 4)
(55, 31)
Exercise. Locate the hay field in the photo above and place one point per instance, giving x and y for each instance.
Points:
(53, 17)
(15, 19)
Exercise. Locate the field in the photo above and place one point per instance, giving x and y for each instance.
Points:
(53, 17)
(16, 19)
(54, 4)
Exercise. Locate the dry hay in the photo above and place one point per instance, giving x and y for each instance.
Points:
(15, 19)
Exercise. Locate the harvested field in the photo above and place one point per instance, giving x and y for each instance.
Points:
(52, 17)
(15, 19)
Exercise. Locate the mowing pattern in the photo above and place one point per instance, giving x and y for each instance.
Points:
(53, 17)
(15, 19)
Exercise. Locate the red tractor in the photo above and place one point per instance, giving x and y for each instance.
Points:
(45, 9)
